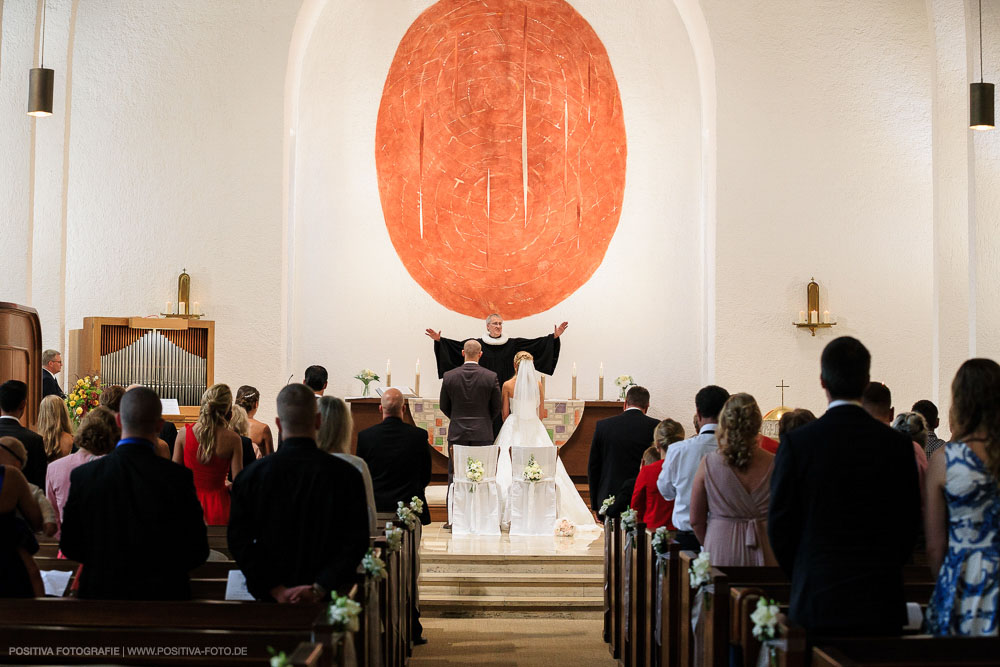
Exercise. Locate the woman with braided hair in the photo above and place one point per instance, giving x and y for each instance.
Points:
(248, 398)
(211, 450)
(732, 490)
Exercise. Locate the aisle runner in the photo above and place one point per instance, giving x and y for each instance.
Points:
(563, 418)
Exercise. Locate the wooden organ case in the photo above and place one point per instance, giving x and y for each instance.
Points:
(174, 357)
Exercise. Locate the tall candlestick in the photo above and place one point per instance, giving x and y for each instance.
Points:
(574, 369)
(573, 395)
(416, 380)
(600, 389)
(543, 384)
(602, 370)
(388, 372)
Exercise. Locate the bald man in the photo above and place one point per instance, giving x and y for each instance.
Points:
(398, 457)
(470, 397)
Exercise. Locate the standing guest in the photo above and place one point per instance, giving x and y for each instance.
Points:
(248, 398)
(877, 400)
(97, 436)
(51, 364)
(794, 419)
(617, 447)
(212, 451)
(731, 491)
(13, 400)
(168, 434)
(398, 457)
(683, 458)
(18, 572)
(316, 379)
(55, 428)
(241, 427)
(830, 476)
(133, 519)
(334, 437)
(963, 503)
(651, 508)
(930, 413)
(299, 525)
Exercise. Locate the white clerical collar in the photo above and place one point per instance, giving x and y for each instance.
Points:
(840, 401)
(500, 340)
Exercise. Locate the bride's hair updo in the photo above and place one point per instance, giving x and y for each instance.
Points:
(521, 356)
(739, 424)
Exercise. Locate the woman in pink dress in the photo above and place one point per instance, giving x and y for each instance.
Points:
(211, 450)
(732, 490)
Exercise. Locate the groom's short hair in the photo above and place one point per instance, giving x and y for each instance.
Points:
(637, 397)
(472, 348)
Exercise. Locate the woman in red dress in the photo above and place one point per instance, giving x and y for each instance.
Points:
(649, 505)
(211, 450)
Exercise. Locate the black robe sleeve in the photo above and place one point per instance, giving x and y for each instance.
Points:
(448, 353)
(545, 350)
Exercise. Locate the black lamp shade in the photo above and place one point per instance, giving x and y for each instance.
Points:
(981, 106)
(41, 82)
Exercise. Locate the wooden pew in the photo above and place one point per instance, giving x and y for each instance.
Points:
(662, 652)
(639, 586)
(613, 596)
(908, 652)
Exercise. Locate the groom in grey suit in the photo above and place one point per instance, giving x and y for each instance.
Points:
(470, 397)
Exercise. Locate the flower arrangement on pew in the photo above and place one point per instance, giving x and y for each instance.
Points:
(474, 471)
(374, 566)
(85, 395)
(393, 537)
(279, 659)
(343, 613)
(608, 502)
(628, 520)
(698, 572)
(661, 538)
(765, 623)
(416, 505)
(532, 471)
(406, 515)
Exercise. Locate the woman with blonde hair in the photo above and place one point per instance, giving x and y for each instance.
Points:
(732, 490)
(211, 450)
(507, 390)
(652, 509)
(55, 428)
(248, 398)
(334, 437)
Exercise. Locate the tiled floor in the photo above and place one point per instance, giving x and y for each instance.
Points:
(584, 543)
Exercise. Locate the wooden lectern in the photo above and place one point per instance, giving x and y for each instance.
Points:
(21, 353)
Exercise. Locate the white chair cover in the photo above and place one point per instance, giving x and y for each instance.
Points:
(475, 506)
(533, 504)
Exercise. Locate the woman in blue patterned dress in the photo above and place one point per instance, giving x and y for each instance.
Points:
(963, 508)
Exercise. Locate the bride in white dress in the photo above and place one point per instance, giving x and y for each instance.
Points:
(523, 428)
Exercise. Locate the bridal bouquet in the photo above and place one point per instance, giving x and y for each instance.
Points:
(85, 395)
(765, 619)
(406, 515)
(623, 382)
(343, 613)
(474, 470)
(374, 566)
(698, 571)
(608, 502)
(367, 376)
(532, 471)
(628, 519)
(393, 536)
(661, 538)
(565, 528)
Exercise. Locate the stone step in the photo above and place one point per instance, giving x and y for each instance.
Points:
(512, 584)
(491, 606)
(510, 564)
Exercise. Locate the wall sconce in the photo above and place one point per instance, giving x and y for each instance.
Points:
(41, 82)
(810, 318)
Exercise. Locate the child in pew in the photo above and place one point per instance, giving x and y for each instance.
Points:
(13, 455)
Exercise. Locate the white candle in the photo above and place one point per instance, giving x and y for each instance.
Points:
(181, 308)
(388, 372)
(826, 317)
(418, 367)
(602, 370)
(195, 310)
(574, 369)
(814, 317)
(802, 317)
(170, 308)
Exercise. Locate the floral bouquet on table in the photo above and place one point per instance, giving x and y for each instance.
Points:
(623, 382)
(374, 566)
(532, 471)
(85, 395)
(367, 376)
(343, 613)
(606, 505)
(661, 538)
(474, 471)
(406, 515)
(698, 571)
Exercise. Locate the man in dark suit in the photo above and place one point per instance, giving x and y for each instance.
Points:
(298, 526)
(51, 364)
(13, 401)
(470, 397)
(845, 508)
(617, 447)
(132, 518)
(398, 457)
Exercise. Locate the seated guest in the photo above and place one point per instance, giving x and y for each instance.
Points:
(683, 458)
(299, 525)
(650, 506)
(212, 451)
(248, 398)
(794, 419)
(13, 400)
(132, 518)
(241, 427)
(731, 491)
(398, 457)
(19, 575)
(111, 397)
(55, 428)
(334, 437)
(845, 508)
(315, 379)
(13, 455)
(930, 414)
(97, 436)
(877, 400)
(51, 364)
(963, 503)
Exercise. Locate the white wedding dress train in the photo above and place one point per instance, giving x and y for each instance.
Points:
(523, 428)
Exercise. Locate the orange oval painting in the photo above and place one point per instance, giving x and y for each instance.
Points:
(500, 149)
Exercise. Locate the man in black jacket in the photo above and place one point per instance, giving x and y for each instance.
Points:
(298, 526)
(132, 518)
(398, 457)
(617, 447)
(13, 401)
(845, 508)
(51, 364)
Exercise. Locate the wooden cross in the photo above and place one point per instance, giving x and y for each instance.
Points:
(782, 387)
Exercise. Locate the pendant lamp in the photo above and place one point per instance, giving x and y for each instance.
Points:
(41, 82)
(981, 94)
